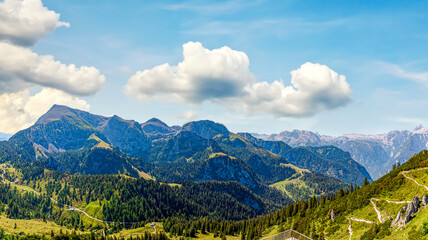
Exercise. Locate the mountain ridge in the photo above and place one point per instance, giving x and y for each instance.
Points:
(204, 150)
(377, 153)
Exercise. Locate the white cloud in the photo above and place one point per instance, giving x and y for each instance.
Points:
(188, 115)
(23, 22)
(202, 75)
(222, 76)
(21, 109)
(314, 88)
(396, 70)
(20, 68)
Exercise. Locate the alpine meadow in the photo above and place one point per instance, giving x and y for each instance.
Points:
(213, 120)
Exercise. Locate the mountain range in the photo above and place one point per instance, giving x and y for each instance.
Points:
(4, 136)
(377, 153)
(79, 142)
(121, 170)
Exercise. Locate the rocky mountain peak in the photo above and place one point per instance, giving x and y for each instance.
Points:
(420, 129)
(206, 128)
(154, 126)
(156, 121)
(55, 112)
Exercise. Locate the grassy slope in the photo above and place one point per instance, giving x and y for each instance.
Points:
(393, 186)
(35, 226)
(300, 190)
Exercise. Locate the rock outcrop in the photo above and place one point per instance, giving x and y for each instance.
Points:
(332, 215)
(425, 200)
(404, 214)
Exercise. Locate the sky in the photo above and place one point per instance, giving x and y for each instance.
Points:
(333, 67)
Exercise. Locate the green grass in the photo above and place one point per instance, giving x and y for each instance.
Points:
(407, 190)
(420, 176)
(139, 231)
(298, 188)
(388, 209)
(366, 213)
(34, 226)
(358, 229)
(100, 143)
(94, 209)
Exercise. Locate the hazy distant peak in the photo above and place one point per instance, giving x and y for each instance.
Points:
(420, 129)
(4, 136)
(156, 121)
(117, 119)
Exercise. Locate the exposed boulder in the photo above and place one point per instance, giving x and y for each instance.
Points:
(332, 215)
(425, 200)
(405, 213)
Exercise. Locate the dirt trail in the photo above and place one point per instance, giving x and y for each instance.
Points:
(360, 220)
(412, 179)
(378, 213)
(71, 208)
(350, 229)
(356, 220)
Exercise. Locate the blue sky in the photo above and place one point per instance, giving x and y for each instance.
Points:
(380, 46)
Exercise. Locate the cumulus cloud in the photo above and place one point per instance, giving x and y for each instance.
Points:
(223, 76)
(23, 22)
(188, 115)
(20, 67)
(314, 88)
(202, 75)
(21, 109)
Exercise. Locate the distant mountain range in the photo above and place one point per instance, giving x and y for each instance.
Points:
(4, 136)
(79, 142)
(377, 153)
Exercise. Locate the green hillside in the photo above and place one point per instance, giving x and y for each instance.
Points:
(303, 184)
(358, 213)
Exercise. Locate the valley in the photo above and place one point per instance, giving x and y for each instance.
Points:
(377, 153)
(112, 178)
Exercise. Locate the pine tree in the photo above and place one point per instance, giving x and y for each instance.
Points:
(366, 182)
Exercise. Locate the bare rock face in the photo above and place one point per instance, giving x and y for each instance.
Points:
(332, 214)
(425, 200)
(405, 213)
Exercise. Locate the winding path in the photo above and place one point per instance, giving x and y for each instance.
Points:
(378, 213)
(350, 229)
(71, 208)
(410, 178)
(360, 220)
(356, 220)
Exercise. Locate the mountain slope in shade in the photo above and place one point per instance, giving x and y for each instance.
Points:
(96, 161)
(126, 134)
(377, 153)
(63, 128)
(326, 159)
(78, 141)
(155, 128)
(206, 128)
